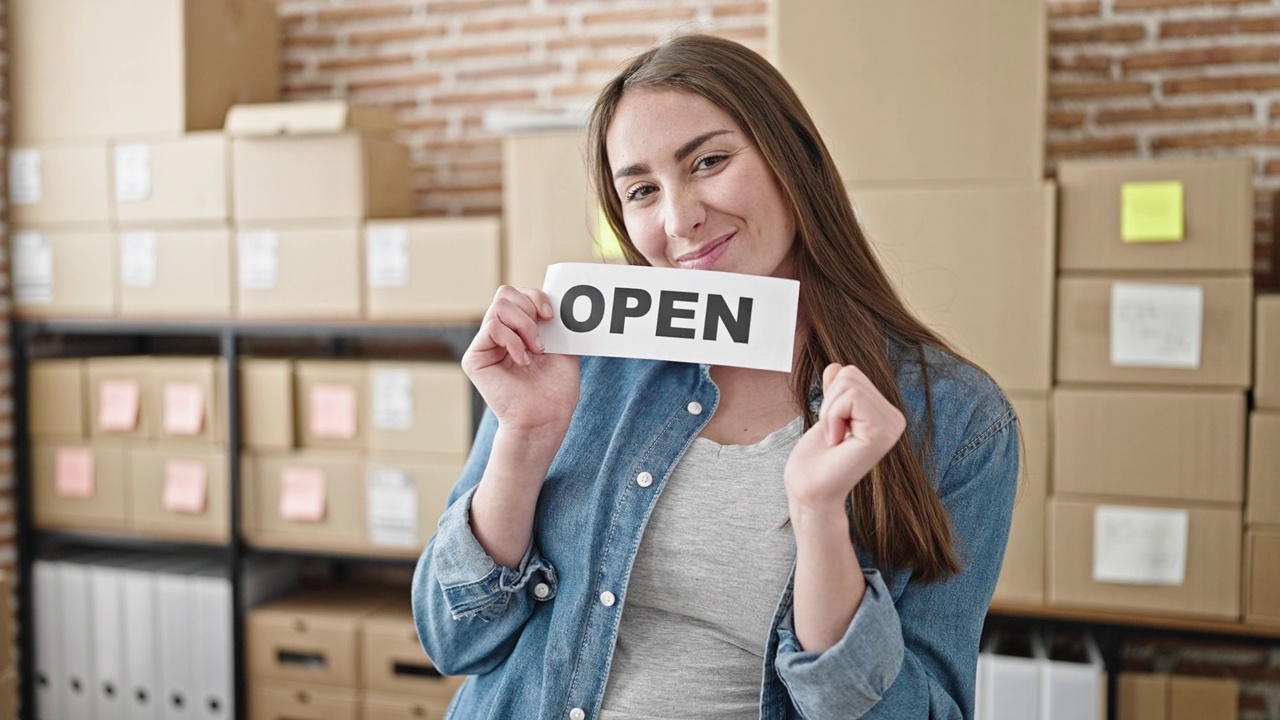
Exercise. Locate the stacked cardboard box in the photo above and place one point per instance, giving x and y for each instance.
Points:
(350, 456)
(1153, 364)
(1262, 507)
(965, 229)
(1142, 696)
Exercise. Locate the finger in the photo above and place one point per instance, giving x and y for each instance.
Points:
(541, 301)
(524, 325)
(837, 417)
(507, 338)
(508, 295)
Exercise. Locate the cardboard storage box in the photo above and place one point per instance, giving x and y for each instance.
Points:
(1263, 503)
(421, 407)
(180, 492)
(291, 702)
(333, 404)
(976, 265)
(1150, 334)
(1266, 366)
(188, 398)
(312, 638)
(1262, 576)
(310, 117)
(56, 399)
(308, 500)
(89, 69)
(1145, 696)
(953, 94)
(391, 707)
(79, 486)
(179, 273)
(60, 185)
(118, 403)
(172, 180)
(1129, 559)
(64, 273)
(1184, 445)
(1022, 575)
(405, 494)
(431, 268)
(394, 662)
(1112, 211)
(299, 272)
(266, 404)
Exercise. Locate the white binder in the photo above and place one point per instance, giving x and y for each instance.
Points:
(213, 648)
(46, 607)
(106, 601)
(77, 640)
(142, 646)
(179, 625)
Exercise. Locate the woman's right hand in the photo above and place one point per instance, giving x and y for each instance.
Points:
(528, 389)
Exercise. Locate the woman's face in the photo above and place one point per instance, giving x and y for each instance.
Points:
(695, 190)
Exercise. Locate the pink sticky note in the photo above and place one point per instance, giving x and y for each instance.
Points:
(118, 405)
(333, 411)
(183, 409)
(186, 486)
(302, 494)
(73, 473)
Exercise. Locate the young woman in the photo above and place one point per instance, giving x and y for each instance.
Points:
(643, 540)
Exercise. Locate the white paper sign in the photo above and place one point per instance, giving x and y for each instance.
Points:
(25, 184)
(1140, 546)
(387, 256)
(32, 267)
(1156, 325)
(393, 400)
(393, 507)
(138, 258)
(695, 316)
(133, 172)
(259, 259)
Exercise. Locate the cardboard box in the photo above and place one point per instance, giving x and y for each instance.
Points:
(266, 404)
(422, 407)
(391, 707)
(1263, 504)
(1183, 445)
(1262, 576)
(60, 185)
(1210, 586)
(397, 484)
(85, 69)
(1022, 575)
(431, 268)
(310, 638)
(310, 117)
(340, 176)
(548, 208)
(172, 180)
(332, 404)
(976, 265)
(290, 702)
(1266, 366)
(1216, 215)
(64, 273)
(92, 492)
(299, 272)
(393, 659)
(1197, 698)
(1085, 338)
(177, 273)
(56, 399)
(953, 94)
(180, 492)
(324, 504)
(119, 406)
(188, 399)
(1142, 696)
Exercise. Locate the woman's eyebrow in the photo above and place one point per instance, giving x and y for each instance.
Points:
(681, 153)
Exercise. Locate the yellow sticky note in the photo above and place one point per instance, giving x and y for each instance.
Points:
(1151, 212)
(607, 242)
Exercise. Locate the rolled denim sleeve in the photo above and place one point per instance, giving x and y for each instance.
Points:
(916, 657)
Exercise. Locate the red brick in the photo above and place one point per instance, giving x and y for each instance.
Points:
(478, 146)
(741, 34)
(1126, 144)
(609, 65)
(1226, 83)
(1074, 9)
(1122, 5)
(578, 90)
(429, 79)
(750, 8)
(1219, 139)
(1174, 113)
(479, 98)
(1080, 63)
(346, 62)
(1065, 118)
(511, 71)
(642, 15)
(1227, 26)
(1102, 34)
(1201, 57)
(1099, 88)
(362, 12)
(636, 40)
(453, 52)
(309, 40)
(289, 67)
(472, 5)
(524, 22)
(375, 37)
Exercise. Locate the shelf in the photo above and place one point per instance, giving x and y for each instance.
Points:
(123, 541)
(445, 329)
(1127, 620)
(355, 556)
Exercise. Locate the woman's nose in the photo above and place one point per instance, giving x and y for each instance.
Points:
(685, 213)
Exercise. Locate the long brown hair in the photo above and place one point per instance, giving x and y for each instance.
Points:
(851, 309)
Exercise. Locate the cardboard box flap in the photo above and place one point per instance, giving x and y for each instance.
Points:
(308, 118)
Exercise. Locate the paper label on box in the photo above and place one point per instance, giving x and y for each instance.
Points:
(259, 259)
(1140, 546)
(1151, 212)
(118, 405)
(138, 258)
(393, 507)
(25, 183)
(73, 473)
(186, 486)
(333, 411)
(1158, 326)
(133, 172)
(32, 267)
(183, 408)
(387, 256)
(303, 494)
(393, 399)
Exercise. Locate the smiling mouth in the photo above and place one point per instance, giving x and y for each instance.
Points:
(705, 252)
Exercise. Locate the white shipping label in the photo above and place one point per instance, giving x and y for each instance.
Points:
(32, 267)
(138, 258)
(1159, 326)
(387, 256)
(393, 507)
(1140, 546)
(133, 172)
(25, 185)
(259, 259)
(393, 400)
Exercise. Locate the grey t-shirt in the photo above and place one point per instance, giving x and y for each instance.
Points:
(713, 562)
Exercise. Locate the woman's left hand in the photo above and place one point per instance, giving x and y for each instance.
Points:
(856, 427)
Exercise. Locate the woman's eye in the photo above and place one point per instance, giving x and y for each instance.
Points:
(710, 161)
(639, 192)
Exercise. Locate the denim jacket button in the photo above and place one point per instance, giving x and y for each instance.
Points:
(541, 590)
(695, 408)
(577, 714)
(607, 599)
(644, 479)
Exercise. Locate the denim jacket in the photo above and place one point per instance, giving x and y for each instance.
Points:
(537, 639)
